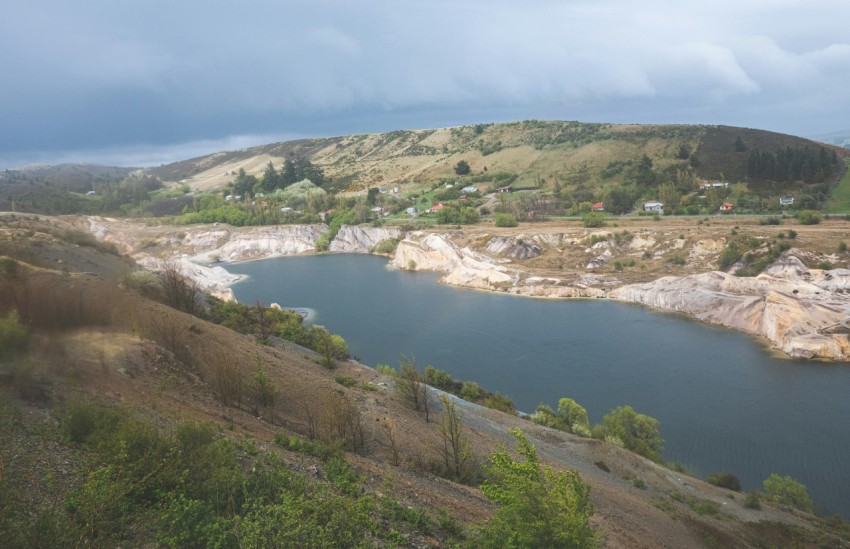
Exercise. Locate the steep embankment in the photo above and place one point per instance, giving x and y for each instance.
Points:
(798, 309)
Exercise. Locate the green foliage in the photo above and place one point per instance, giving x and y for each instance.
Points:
(455, 214)
(345, 381)
(787, 491)
(456, 451)
(639, 433)
(842, 246)
(536, 506)
(770, 220)
(467, 390)
(725, 480)
(14, 336)
(593, 219)
(792, 233)
(809, 217)
(386, 246)
(260, 388)
(570, 417)
(730, 254)
(752, 500)
(462, 168)
(505, 220)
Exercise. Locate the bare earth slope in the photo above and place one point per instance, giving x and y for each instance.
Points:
(133, 360)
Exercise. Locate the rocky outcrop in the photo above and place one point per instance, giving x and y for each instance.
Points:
(470, 269)
(212, 280)
(784, 305)
(464, 267)
(253, 243)
(600, 260)
(517, 248)
(361, 240)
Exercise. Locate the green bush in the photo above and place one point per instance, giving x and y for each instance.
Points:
(787, 491)
(386, 246)
(725, 480)
(792, 233)
(729, 256)
(809, 217)
(640, 433)
(752, 500)
(593, 219)
(537, 507)
(506, 220)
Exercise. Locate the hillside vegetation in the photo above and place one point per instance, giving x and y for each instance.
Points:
(125, 421)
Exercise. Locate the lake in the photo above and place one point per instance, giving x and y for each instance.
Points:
(725, 402)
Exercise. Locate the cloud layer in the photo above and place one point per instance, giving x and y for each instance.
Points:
(96, 74)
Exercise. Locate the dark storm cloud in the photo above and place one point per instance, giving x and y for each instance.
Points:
(90, 75)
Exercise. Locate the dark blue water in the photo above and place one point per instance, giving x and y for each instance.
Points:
(724, 402)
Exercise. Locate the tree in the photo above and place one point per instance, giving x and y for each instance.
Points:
(371, 195)
(411, 385)
(739, 144)
(462, 168)
(787, 491)
(456, 450)
(271, 179)
(178, 290)
(684, 152)
(619, 200)
(537, 507)
(640, 433)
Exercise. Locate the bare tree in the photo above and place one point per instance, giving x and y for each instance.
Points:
(456, 450)
(178, 290)
(411, 384)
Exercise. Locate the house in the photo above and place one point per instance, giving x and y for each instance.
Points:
(506, 189)
(411, 211)
(437, 208)
(377, 209)
(598, 207)
(654, 206)
(470, 189)
(715, 185)
(323, 215)
(286, 209)
(726, 207)
(395, 190)
(786, 200)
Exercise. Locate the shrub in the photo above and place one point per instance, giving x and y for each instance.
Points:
(787, 491)
(725, 480)
(792, 233)
(825, 265)
(386, 246)
(505, 220)
(593, 219)
(537, 507)
(770, 220)
(640, 433)
(730, 255)
(752, 500)
(14, 337)
(345, 381)
(809, 217)
(842, 246)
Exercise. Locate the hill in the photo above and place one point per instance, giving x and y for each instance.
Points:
(535, 152)
(124, 421)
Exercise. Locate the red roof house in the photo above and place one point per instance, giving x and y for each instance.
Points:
(726, 207)
(598, 207)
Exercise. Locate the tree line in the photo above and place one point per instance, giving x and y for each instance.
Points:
(792, 164)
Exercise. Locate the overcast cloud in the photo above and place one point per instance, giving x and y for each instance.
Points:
(148, 82)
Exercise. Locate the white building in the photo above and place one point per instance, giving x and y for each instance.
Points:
(655, 206)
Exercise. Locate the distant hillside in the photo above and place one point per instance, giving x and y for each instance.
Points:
(573, 163)
(567, 153)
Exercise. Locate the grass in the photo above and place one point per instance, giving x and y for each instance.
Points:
(839, 198)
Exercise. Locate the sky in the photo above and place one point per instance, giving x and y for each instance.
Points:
(138, 83)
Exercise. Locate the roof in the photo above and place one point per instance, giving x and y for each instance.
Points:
(599, 205)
